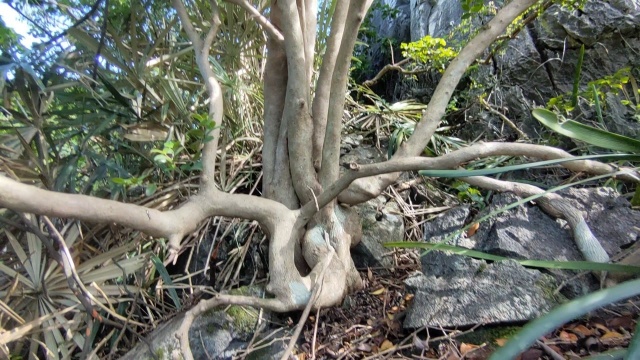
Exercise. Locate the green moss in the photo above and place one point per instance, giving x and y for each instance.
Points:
(244, 319)
(367, 224)
(160, 353)
(548, 287)
(488, 335)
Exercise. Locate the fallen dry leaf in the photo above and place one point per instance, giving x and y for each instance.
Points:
(565, 336)
(465, 348)
(473, 229)
(582, 330)
(611, 335)
(612, 338)
(386, 345)
(501, 341)
(378, 291)
(625, 322)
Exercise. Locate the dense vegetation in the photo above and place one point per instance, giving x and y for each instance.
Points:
(179, 121)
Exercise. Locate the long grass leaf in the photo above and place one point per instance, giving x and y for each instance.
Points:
(576, 78)
(634, 346)
(499, 170)
(162, 270)
(112, 271)
(12, 274)
(562, 314)
(16, 247)
(546, 264)
(588, 134)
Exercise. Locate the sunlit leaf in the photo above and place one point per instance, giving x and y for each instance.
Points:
(588, 134)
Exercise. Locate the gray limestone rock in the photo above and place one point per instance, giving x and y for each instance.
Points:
(438, 229)
(540, 62)
(420, 11)
(459, 291)
(454, 290)
(216, 334)
(381, 223)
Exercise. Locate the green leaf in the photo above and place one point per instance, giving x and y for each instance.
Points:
(576, 78)
(588, 134)
(150, 189)
(499, 170)
(562, 314)
(635, 201)
(119, 181)
(167, 280)
(546, 264)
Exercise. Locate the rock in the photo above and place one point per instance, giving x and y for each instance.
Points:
(455, 290)
(609, 215)
(437, 230)
(162, 342)
(217, 334)
(381, 223)
(526, 232)
(434, 17)
(540, 62)
(362, 155)
(420, 13)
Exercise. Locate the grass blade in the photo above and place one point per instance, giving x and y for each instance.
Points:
(588, 134)
(576, 78)
(562, 314)
(162, 270)
(499, 170)
(546, 264)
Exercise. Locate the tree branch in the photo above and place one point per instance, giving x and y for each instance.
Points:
(269, 28)
(310, 31)
(329, 170)
(296, 111)
(172, 224)
(323, 86)
(216, 107)
(453, 160)
(365, 189)
(277, 183)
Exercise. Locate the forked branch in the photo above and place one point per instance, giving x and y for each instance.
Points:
(202, 48)
(268, 27)
(456, 158)
(329, 170)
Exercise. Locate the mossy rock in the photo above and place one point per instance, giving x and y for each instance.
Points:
(245, 318)
(488, 335)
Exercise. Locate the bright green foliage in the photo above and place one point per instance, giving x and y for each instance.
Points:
(7, 35)
(430, 51)
(471, 7)
(588, 134)
(466, 193)
(572, 4)
(598, 89)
